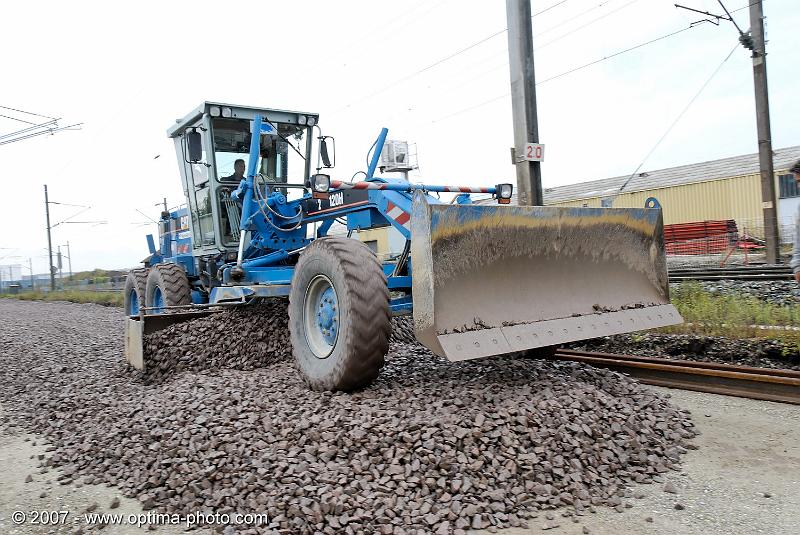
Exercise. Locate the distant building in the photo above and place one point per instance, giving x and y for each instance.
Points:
(729, 188)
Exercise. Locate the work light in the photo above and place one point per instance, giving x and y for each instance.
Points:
(321, 183)
(503, 193)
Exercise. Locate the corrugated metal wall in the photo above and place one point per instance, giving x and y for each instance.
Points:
(736, 198)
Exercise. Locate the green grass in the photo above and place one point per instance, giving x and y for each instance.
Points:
(74, 296)
(732, 315)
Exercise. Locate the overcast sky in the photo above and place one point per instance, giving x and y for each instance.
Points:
(128, 70)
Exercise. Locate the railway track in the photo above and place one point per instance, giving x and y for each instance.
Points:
(751, 273)
(742, 381)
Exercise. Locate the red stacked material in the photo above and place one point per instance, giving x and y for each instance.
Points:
(700, 237)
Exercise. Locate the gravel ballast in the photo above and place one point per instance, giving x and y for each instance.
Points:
(780, 293)
(229, 426)
(756, 352)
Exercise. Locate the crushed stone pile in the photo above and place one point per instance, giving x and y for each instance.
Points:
(240, 339)
(244, 338)
(430, 447)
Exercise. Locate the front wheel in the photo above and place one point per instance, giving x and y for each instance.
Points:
(339, 319)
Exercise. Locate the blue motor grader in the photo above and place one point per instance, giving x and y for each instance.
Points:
(479, 279)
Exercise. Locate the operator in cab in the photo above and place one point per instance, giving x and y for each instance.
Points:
(238, 171)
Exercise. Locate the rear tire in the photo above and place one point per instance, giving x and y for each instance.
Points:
(339, 315)
(135, 287)
(167, 285)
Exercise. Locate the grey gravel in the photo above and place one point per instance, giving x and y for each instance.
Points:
(781, 293)
(431, 445)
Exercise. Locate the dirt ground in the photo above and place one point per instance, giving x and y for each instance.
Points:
(743, 479)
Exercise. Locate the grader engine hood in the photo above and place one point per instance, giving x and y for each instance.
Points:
(495, 279)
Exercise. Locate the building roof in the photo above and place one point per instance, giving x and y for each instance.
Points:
(674, 176)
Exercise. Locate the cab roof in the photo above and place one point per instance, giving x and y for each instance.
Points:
(239, 112)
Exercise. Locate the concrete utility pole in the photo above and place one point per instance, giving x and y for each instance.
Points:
(764, 132)
(523, 100)
(49, 241)
(30, 267)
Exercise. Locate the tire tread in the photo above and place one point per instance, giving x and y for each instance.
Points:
(367, 336)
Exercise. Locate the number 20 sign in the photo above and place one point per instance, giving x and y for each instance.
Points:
(533, 152)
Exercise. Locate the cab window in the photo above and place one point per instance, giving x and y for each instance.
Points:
(281, 146)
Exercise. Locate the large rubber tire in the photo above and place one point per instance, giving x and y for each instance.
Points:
(364, 324)
(135, 284)
(171, 281)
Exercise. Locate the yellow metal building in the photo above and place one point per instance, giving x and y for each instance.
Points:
(729, 188)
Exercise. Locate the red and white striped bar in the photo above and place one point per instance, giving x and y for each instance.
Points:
(338, 184)
(400, 216)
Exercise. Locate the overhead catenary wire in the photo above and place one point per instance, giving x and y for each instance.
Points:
(570, 71)
(28, 129)
(545, 10)
(677, 119)
(437, 63)
(46, 131)
(27, 112)
(536, 48)
(586, 25)
(575, 17)
(16, 119)
(505, 95)
(381, 27)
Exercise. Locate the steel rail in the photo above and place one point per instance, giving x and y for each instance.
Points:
(743, 381)
(767, 272)
(740, 277)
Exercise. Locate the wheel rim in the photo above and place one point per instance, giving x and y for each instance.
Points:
(321, 316)
(133, 300)
(158, 301)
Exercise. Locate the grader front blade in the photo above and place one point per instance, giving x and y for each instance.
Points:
(491, 279)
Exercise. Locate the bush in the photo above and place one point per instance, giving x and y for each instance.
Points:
(734, 315)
